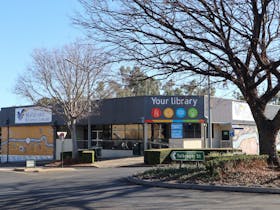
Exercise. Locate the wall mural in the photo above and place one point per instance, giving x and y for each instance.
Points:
(241, 111)
(246, 138)
(28, 142)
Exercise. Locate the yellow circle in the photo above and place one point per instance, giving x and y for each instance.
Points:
(168, 112)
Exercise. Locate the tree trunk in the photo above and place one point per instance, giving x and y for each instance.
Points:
(74, 139)
(267, 141)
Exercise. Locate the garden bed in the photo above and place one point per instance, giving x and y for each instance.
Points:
(236, 171)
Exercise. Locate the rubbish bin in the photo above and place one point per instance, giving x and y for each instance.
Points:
(137, 149)
(98, 152)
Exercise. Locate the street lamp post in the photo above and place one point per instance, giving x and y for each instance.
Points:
(8, 139)
(209, 113)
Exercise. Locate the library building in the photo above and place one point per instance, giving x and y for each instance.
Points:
(123, 127)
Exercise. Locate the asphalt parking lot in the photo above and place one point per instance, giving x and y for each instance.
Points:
(108, 188)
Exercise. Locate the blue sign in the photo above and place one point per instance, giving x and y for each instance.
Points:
(176, 134)
(177, 126)
(181, 112)
(177, 130)
(231, 133)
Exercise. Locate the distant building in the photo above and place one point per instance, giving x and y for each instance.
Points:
(127, 126)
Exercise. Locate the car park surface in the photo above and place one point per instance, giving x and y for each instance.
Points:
(108, 188)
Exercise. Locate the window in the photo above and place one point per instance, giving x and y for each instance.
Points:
(124, 137)
(212, 127)
(127, 132)
(192, 130)
(225, 135)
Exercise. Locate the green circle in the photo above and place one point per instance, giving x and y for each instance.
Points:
(192, 112)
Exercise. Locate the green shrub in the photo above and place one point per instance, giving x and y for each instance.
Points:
(157, 156)
(170, 173)
(215, 155)
(66, 155)
(226, 163)
(162, 156)
(84, 156)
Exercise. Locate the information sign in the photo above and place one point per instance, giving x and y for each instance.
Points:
(177, 130)
(187, 155)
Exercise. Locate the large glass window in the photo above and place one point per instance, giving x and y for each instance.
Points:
(158, 135)
(127, 132)
(192, 130)
(160, 131)
(123, 137)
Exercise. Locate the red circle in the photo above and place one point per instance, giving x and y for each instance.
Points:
(156, 112)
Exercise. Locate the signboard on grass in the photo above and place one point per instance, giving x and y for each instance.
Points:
(187, 155)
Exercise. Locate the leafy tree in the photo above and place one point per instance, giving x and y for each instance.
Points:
(233, 40)
(190, 88)
(170, 89)
(49, 102)
(135, 82)
(195, 88)
(237, 95)
(66, 79)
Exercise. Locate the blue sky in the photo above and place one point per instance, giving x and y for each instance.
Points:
(27, 25)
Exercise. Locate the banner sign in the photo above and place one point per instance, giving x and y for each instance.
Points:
(175, 109)
(25, 115)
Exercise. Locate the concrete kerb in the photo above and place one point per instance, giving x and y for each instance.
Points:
(204, 187)
(42, 169)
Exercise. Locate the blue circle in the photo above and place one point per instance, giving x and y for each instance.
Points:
(181, 112)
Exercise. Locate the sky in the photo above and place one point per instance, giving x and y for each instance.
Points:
(27, 25)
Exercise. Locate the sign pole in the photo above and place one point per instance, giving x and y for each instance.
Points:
(61, 137)
(62, 145)
(145, 136)
(209, 113)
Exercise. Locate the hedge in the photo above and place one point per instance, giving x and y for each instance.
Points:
(162, 156)
(84, 156)
(225, 163)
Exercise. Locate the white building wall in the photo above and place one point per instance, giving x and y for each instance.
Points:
(220, 110)
(67, 147)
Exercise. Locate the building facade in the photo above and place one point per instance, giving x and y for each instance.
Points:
(127, 126)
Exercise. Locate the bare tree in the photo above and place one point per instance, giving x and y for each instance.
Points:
(233, 40)
(66, 79)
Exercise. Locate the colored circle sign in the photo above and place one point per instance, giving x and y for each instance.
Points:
(168, 112)
(156, 112)
(192, 112)
(181, 113)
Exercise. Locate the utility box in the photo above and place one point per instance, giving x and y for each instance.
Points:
(30, 164)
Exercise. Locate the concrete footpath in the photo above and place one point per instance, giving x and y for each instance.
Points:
(44, 167)
(121, 162)
(113, 163)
